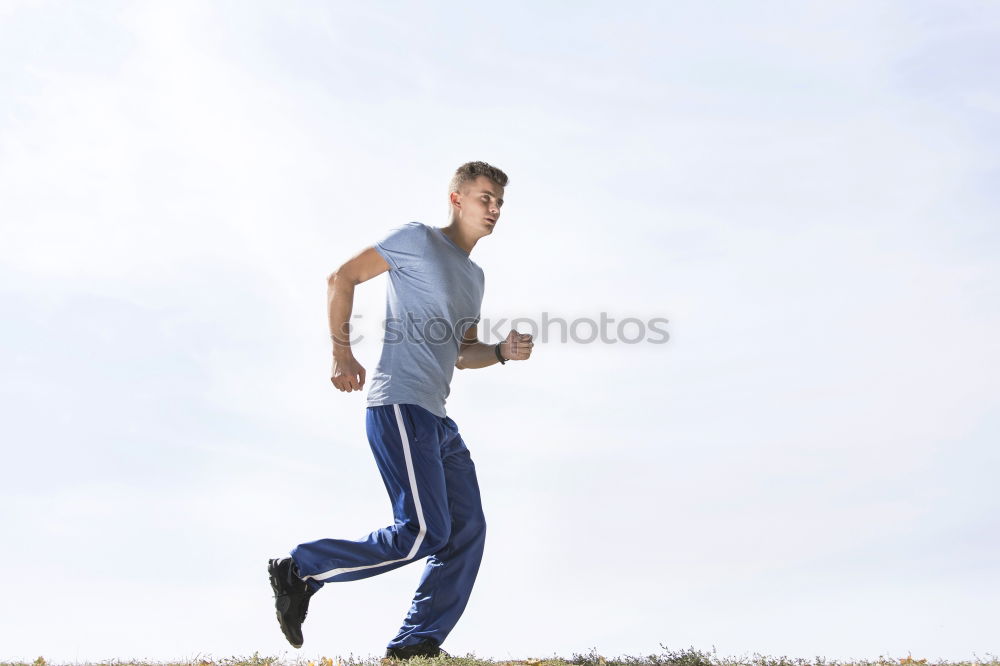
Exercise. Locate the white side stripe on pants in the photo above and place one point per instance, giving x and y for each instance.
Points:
(416, 500)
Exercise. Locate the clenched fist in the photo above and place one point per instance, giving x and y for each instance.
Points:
(517, 346)
(347, 374)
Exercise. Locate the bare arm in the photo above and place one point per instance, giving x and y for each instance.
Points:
(347, 374)
(476, 354)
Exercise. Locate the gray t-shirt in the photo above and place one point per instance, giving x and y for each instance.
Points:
(434, 294)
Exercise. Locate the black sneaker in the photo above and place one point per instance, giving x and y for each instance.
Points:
(425, 648)
(291, 598)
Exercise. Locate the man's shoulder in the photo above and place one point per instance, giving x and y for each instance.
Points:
(410, 227)
(408, 232)
(403, 245)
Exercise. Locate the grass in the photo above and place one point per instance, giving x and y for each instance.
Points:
(689, 657)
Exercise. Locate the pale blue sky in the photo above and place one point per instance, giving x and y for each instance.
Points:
(807, 468)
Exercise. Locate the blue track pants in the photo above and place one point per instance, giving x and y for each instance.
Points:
(431, 480)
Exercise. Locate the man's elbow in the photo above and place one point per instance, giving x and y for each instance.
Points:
(341, 276)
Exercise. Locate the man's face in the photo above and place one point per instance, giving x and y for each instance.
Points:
(481, 202)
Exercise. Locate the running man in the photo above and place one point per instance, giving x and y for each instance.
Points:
(433, 301)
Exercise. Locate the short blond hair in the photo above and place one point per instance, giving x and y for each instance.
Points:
(471, 170)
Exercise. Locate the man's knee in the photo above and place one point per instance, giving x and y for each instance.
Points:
(480, 526)
(431, 529)
(472, 528)
(435, 539)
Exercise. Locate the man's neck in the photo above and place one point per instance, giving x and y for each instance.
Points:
(460, 237)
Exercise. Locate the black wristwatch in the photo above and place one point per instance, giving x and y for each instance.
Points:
(500, 357)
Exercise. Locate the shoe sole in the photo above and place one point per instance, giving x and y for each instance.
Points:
(428, 655)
